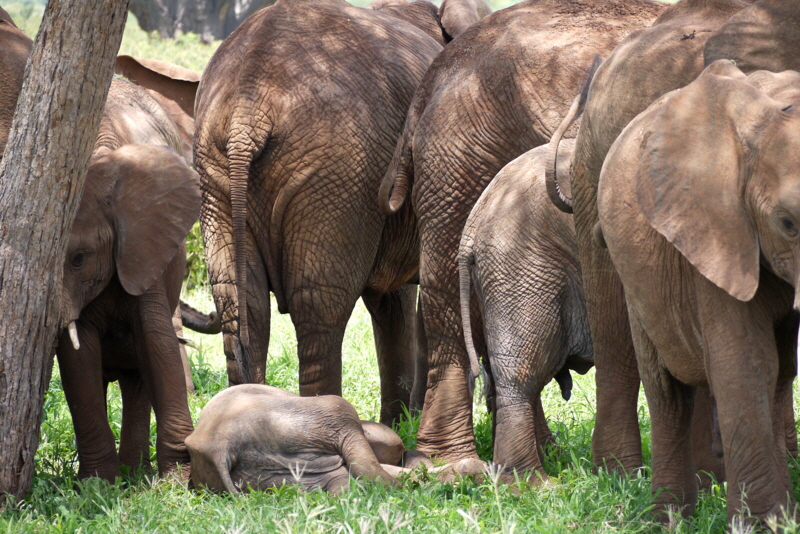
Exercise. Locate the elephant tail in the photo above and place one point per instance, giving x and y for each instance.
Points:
(399, 178)
(554, 191)
(199, 321)
(466, 259)
(242, 149)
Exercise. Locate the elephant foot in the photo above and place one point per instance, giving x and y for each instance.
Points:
(179, 473)
(413, 459)
(462, 468)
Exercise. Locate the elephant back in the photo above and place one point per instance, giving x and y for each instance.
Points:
(15, 47)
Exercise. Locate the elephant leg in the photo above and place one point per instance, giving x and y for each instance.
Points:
(616, 441)
(84, 389)
(671, 404)
(134, 441)
(709, 465)
(744, 373)
(162, 372)
(446, 428)
(544, 436)
(187, 369)
(420, 363)
(244, 364)
(786, 339)
(393, 324)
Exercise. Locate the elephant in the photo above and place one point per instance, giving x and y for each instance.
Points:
(254, 436)
(297, 115)
(258, 436)
(698, 205)
(173, 86)
(523, 259)
(122, 278)
(623, 86)
(498, 90)
(444, 23)
(15, 46)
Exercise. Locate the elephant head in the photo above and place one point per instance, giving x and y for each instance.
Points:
(138, 204)
(174, 87)
(735, 139)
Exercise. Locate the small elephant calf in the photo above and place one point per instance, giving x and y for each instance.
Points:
(259, 436)
(522, 254)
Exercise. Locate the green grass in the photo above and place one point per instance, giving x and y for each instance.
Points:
(575, 499)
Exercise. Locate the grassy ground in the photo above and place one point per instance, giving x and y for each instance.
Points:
(573, 500)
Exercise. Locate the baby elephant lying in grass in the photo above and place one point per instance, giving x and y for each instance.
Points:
(256, 436)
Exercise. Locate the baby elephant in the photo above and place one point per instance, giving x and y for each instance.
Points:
(523, 256)
(259, 436)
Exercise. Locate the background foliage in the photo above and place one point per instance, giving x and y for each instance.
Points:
(573, 499)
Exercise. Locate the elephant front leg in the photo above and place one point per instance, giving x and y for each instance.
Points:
(134, 441)
(706, 442)
(394, 327)
(744, 372)
(84, 389)
(162, 372)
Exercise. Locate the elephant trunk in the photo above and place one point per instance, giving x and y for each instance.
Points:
(554, 191)
(199, 321)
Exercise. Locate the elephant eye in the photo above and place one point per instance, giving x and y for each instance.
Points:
(789, 226)
(78, 259)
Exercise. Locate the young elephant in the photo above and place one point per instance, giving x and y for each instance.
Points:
(699, 203)
(257, 436)
(122, 278)
(522, 254)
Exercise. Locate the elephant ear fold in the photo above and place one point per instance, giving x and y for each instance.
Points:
(458, 15)
(691, 185)
(156, 201)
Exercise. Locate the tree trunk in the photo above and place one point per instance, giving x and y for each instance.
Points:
(210, 19)
(41, 180)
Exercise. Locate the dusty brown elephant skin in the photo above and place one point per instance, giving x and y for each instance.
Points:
(498, 90)
(297, 116)
(122, 278)
(521, 253)
(699, 203)
(15, 47)
(624, 85)
(254, 436)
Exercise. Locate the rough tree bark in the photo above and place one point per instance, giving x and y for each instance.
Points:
(210, 19)
(41, 180)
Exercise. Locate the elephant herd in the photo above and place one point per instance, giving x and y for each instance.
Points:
(494, 194)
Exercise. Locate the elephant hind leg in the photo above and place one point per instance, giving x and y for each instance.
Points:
(394, 327)
(134, 441)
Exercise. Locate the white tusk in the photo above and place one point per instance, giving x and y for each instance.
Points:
(73, 335)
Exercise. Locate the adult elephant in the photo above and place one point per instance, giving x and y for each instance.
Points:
(498, 90)
(122, 278)
(15, 47)
(297, 116)
(699, 204)
(624, 85)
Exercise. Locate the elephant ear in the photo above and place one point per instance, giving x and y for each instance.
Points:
(171, 82)
(458, 15)
(156, 201)
(692, 182)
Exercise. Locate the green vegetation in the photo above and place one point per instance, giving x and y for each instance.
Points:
(574, 499)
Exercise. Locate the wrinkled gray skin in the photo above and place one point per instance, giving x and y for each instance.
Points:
(297, 116)
(624, 85)
(699, 202)
(257, 436)
(122, 277)
(523, 259)
(498, 90)
(15, 47)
